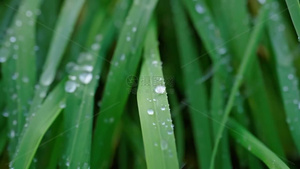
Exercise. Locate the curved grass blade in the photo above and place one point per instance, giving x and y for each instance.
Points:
(18, 58)
(195, 92)
(155, 117)
(124, 64)
(253, 145)
(64, 28)
(37, 126)
(288, 81)
(252, 45)
(294, 10)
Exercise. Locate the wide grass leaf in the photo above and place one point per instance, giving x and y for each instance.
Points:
(154, 111)
(124, 64)
(288, 81)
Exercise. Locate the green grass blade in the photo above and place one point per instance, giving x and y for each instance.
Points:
(253, 145)
(252, 45)
(124, 64)
(288, 81)
(195, 92)
(37, 126)
(63, 30)
(18, 57)
(79, 113)
(155, 117)
(294, 10)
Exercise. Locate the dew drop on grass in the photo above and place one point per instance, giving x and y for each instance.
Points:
(150, 111)
(28, 13)
(43, 94)
(88, 68)
(25, 79)
(15, 76)
(5, 114)
(18, 23)
(12, 134)
(134, 29)
(128, 38)
(62, 105)
(262, 1)
(160, 89)
(70, 86)
(163, 145)
(123, 57)
(249, 148)
(12, 39)
(95, 46)
(72, 77)
(285, 88)
(199, 8)
(163, 108)
(14, 122)
(2, 59)
(290, 76)
(85, 78)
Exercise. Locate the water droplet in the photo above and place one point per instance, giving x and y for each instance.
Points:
(123, 56)
(43, 94)
(150, 111)
(62, 105)
(128, 38)
(70, 86)
(5, 114)
(12, 134)
(28, 13)
(199, 8)
(72, 77)
(25, 79)
(12, 39)
(160, 89)
(249, 148)
(134, 29)
(14, 122)
(88, 68)
(19, 23)
(290, 76)
(2, 59)
(285, 88)
(163, 145)
(262, 1)
(15, 76)
(85, 78)
(95, 46)
(222, 51)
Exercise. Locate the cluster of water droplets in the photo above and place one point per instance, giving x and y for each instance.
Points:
(82, 71)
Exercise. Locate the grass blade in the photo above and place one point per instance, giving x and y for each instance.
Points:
(157, 127)
(78, 114)
(249, 142)
(125, 62)
(286, 74)
(195, 91)
(18, 57)
(252, 45)
(41, 121)
(64, 28)
(294, 9)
